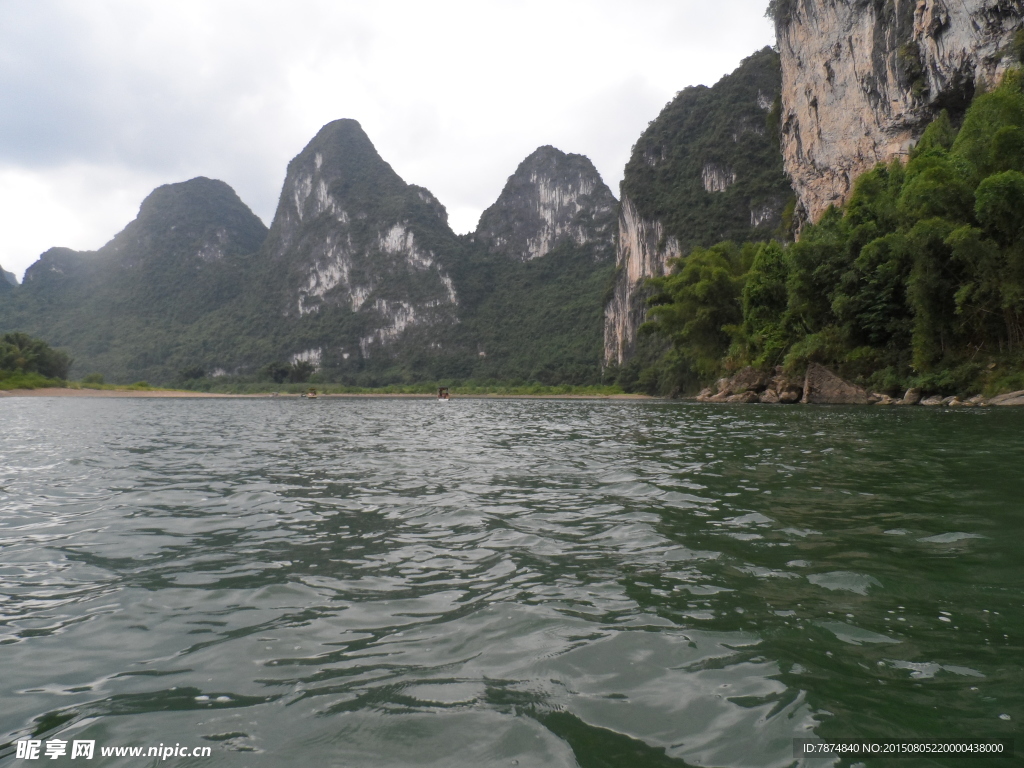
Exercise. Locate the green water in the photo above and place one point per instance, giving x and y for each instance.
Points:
(494, 583)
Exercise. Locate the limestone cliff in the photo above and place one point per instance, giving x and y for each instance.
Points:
(707, 169)
(643, 251)
(861, 80)
(357, 252)
(7, 278)
(552, 197)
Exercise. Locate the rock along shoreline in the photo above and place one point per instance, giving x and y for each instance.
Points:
(820, 385)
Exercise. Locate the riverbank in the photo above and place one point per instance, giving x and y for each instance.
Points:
(69, 392)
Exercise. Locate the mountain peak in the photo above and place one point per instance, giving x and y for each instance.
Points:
(553, 197)
(202, 217)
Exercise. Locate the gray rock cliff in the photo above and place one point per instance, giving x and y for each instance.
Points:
(552, 197)
(643, 251)
(862, 79)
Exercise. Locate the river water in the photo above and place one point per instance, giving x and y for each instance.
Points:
(367, 582)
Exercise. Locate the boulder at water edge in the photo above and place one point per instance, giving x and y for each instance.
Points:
(912, 396)
(1011, 398)
(823, 386)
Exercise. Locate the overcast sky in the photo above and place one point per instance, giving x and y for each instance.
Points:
(102, 101)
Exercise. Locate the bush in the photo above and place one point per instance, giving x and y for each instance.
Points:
(276, 372)
(93, 378)
(300, 371)
(192, 373)
(20, 352)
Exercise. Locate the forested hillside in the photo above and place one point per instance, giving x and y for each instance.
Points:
(918, 279)
(146, 303)
(709, 166)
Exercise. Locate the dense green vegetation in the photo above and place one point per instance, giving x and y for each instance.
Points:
(918, 279)
(781, 11)
(150, 305)
(537, 321)
(732, 127)
(27, 363)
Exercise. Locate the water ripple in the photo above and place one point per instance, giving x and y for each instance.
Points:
(493, 581)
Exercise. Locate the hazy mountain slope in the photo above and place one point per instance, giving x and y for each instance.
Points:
(140, 306)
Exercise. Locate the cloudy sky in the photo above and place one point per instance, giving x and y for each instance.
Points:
(102, 101)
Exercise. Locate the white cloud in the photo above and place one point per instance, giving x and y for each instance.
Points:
(105, 100)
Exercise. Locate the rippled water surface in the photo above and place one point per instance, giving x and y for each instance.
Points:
(367, 582)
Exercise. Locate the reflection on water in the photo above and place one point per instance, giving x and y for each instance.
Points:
(390, 583)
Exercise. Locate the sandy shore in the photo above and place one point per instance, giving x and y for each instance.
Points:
(67, 392)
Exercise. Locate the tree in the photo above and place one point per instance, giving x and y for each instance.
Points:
(21, 352)
(277, 372)
(698, 308)
(300, 371)
(932, 289)
(192, 373)
(764, 301)
(999, 205)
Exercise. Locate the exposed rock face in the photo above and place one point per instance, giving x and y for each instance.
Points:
(1011, 398)
(861, 80)
(351, 236)
(643, 251)
(707, 169)
(717, 179)
(747, 379)
(749, 385)
(360, 276)
(823, 386)
(911, 397)
(534, 276)
(551, 198)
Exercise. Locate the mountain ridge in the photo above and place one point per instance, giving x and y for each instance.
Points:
(359, 276)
